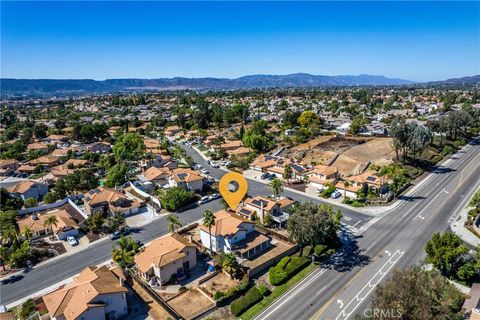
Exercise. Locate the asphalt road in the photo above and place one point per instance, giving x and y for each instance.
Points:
(341, 287)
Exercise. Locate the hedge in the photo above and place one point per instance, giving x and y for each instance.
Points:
(243, 303)
(277, 276)
(296, 264)
(285, 269)
(264, 291)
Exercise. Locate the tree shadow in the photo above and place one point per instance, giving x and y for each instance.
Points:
(439, 169)
(410, 198)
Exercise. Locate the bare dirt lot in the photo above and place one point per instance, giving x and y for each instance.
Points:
(354, 153)
(220, 282)
(190, 303)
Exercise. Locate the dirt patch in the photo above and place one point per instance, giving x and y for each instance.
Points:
(220, 282)
(378, 150)
(154, 310)
(190, 303)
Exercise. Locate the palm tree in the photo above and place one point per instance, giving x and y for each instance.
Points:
(3, 256)
(346, 184)
(230, 263)
(27, 233)
(173, 223)
(209, 222)
(50, 221)
(125, 254)
(9, 235)
(277, 187)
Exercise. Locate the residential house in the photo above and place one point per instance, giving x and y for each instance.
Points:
(187, 179)
(230, 145)
(25, 189)
(159, 176)
(258, 207)
(172, 131)
(99, 147)
(322, 176)
(46, 161)
(107, 200)
(168, 257)
(8, 166)
(96, 293)
(68, 223)
(38, 146)
(234, 233)
(370, 179)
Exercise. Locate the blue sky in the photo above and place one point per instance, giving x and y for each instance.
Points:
(98, 40)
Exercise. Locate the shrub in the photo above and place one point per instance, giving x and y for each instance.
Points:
(295, 265)
(319, 249)
(243, 303)
(283, 263)
(264, 291)
(218, 295)
(277, 276)
(307, 251)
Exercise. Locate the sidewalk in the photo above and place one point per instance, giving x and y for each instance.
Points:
(458, 227)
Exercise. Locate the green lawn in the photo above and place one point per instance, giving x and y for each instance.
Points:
(277, 292)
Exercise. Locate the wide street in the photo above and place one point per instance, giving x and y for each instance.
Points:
(340, 288)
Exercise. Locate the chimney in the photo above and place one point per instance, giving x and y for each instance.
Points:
(190, 238)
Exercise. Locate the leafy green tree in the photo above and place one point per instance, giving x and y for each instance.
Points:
(7, 220)
(312, 224)
(50, 197)
(209, 222)
(9, 202)
(277, 187)
(40, 130)
(230, 264)
(94, 222)
(124, 254)
(27, 233)
(357, 124)
(27, 309)
(31, 202)
(415, 294)
(475, 201)
(129, 147)
(445, 252)
(309, 119)
(287, 172)
(116, 175)
(173, 223)
(176, 197)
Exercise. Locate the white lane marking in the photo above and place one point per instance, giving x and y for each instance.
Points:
(462, 204)
(370, 285)
(428, 204)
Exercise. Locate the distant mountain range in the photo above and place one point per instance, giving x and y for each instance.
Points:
(296, 80)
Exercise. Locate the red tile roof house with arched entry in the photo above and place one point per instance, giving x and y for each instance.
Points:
(166, 257)
(94, 294)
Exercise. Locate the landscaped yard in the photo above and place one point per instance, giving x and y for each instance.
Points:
(276, 293)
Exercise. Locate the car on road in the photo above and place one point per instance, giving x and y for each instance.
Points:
(214, 196)
(204, 171)
(72, 241)
(12, 279)
(116, 235)
(203, 200)
(335, 195)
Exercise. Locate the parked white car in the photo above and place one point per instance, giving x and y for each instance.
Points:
(72, 241)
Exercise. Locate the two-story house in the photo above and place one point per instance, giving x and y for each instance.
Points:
(234, 233)
(94, 294)
(107, 200)
(187, 179)
(166, 257)
(322, 176)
